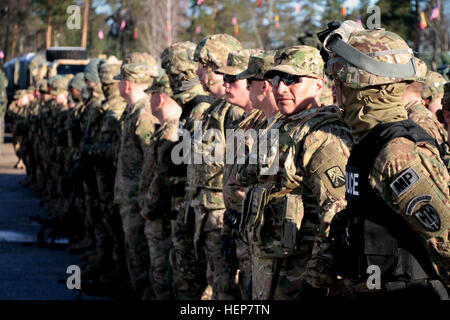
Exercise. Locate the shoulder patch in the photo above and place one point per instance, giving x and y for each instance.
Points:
(336, 176)
(414, 202)
(405, 181)
(429, 218)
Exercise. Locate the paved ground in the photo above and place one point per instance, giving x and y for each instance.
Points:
(26, 271)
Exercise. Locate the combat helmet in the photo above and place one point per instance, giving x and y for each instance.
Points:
(215, 49)
(370, 58)
(433, 87)
(178, 62)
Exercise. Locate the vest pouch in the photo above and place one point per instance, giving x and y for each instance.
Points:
(258, 208)
(293, 212)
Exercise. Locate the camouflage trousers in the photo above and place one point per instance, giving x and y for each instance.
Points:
(159, 242)
(136, 249)
(189, 273)
(277, 278)
(245, 269)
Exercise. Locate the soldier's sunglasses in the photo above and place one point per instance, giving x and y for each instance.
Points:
(288, 79)
(249, 81)
(229, 78)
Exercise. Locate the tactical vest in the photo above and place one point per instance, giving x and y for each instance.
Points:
(209, 175)
(369, 233)
(276, 219)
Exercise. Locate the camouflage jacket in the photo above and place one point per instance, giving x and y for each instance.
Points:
(289, 211)
(430, 219)
(139, 126)
(207, 177)
(428, 121)
(157, 182)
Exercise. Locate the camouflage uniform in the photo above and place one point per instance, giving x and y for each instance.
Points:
(433, 86)
(156, 190)
(189, 273)
(109, 233)
(419, 207)
(205, 194)
(236, 253)
(138, 128)
(287, 213)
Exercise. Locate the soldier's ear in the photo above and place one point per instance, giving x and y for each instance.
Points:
(267, 86)
(318, 86)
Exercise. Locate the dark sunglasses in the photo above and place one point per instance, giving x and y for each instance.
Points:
(249, 81)
(288, 79)
(229, 78)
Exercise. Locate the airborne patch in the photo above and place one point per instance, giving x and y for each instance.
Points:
(429, 218)
(407, 179)
(336, 176)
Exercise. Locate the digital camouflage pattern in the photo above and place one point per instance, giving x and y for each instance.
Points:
(91, 70)
(215, 49)
(299, 61)
(433, 87)
(139, 57)
(373, 40)
(237, 61)
(60, 84)
(77, 81)
(137, 72)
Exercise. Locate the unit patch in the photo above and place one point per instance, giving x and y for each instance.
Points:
(429, 218)
(414, 202)
(336, 176)
(405, 181)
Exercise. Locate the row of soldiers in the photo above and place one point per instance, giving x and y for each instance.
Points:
(340, 189)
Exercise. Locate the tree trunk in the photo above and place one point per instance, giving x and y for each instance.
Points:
(14, 39)
(48, 33)
(85, 23)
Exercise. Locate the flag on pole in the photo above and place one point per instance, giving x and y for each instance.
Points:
(358, 19)
(423, 21)
(135, 34)
(198, 29)
(100, 34)
(344, 11)
(2, 55)
(123, 24)
(258, 3)
(298, 8)
(234, 20)
(236, 29)
(435, 13)
(200, 2)
(277, 19)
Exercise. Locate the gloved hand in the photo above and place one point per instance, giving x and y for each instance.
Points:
(228, 249)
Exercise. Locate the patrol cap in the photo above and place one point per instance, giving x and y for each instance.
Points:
(258, 65)
(20, 93)
(77, 82)
(237, 62)
(433, 87)
(160, 85)
(137, 72)
(60, 85)
(91, 70)
(298, 61)
(215, 49)
(107, 72)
